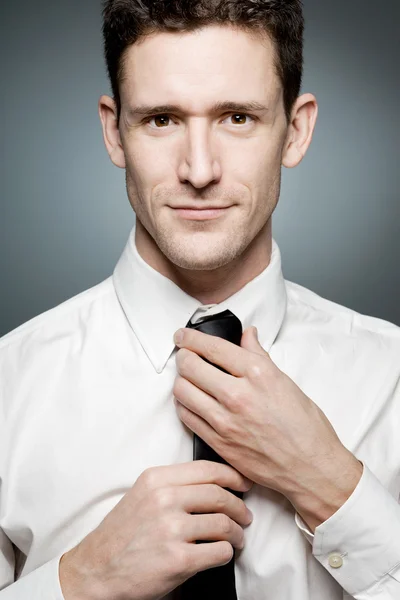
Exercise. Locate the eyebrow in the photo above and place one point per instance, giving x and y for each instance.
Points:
(240, 107)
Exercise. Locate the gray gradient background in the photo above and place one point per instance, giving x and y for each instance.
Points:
(65, 216)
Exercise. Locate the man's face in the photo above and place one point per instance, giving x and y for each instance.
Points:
(197, 154)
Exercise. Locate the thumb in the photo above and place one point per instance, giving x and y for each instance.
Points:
(250, 341)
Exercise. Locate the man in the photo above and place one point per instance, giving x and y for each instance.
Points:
(100, 497)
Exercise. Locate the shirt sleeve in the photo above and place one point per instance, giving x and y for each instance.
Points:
(359, 544)
(43, 583)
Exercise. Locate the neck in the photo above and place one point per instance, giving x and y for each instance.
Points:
(210, 287)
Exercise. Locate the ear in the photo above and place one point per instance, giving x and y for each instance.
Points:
(112, 139)
(301, 129)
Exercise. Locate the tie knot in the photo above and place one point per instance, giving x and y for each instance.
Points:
(225, 325)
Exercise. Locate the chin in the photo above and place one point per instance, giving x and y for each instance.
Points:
(191, 265)
(198, 260)
(199, 250)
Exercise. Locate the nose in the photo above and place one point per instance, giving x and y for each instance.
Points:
(199, 166)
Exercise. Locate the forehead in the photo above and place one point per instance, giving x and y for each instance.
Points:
(201, 67)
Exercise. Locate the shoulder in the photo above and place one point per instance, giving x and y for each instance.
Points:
(62, 321)
(341, 331)
(348, 321)
(53, 352)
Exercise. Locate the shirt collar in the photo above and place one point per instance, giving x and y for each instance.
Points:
(155, 307)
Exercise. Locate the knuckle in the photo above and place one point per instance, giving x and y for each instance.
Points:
(223, 473)
(208, 469)
(163, 498)
(224, 524)
(220, 497)
(256, 371)
(219, 421)
(171, 529)
(221, 424)
(183, 357)
(149, 478)
(174, 553)
(181, 559)
(178, 388)
(229, 430)
(235, 399)
(213, 351)
(177, 528)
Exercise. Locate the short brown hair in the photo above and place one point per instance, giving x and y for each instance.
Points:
(127, 21)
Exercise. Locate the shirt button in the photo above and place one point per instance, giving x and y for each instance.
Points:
(335, 560)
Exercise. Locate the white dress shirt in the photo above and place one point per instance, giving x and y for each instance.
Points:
(86, 405)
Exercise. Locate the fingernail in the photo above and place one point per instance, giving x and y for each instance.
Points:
(178, 337)
(250, 515)
(248, 484)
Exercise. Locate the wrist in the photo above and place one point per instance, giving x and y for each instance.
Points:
(330, 488)
(77, 582)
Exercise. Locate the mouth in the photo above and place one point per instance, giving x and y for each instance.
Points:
(200, 214)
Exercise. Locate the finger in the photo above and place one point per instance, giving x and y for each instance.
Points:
(205, 376)
(199, 401)
(212, 498)
(225, 354)
(199, 426)
(195, 472)
(207, 556)
(213, 528)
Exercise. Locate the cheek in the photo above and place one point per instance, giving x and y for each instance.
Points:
(261, 174)
(148, 165)
(260, 171)
(140, 178)
(145, 177)
(257, 160)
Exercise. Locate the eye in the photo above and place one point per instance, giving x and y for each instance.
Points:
(161, 121)
(240, 119)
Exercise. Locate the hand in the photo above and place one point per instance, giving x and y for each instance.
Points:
(261, 423)
(145, 547)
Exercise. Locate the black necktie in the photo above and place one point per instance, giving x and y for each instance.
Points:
(217, 583)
